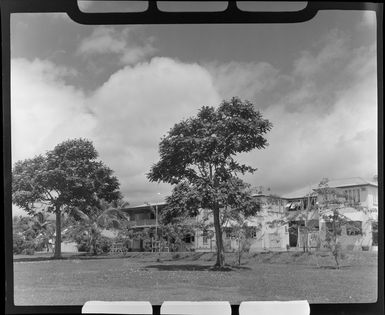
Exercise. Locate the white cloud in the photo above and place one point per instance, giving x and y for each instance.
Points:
(137, 106)
(244, 79)
(125, 117)
(327, 125)
(329, 50)
(128, 44)
(44, 110)
(324, 116)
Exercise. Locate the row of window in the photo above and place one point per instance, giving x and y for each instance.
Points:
(352, 228)
(302, 204)
(353, 195)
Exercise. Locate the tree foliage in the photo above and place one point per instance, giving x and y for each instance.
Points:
(91, 222)
(32, 233)
(67, 176)
(198, 156)
(330, 203)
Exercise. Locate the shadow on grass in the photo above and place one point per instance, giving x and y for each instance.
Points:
(334, 267)
(82, 256)
(241, 267)
(190, 267)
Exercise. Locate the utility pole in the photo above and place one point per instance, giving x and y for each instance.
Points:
(306, 243)
(156, 227)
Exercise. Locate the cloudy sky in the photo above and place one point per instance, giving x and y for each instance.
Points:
(124, 87)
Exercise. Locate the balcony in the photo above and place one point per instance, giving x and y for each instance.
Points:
(142, 223)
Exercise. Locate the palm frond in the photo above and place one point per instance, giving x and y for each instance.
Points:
(80, 214)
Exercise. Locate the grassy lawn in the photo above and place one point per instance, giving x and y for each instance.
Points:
(140, 276)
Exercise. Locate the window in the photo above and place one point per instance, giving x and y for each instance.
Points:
(253, 232)
(375, 198)
(189, 239)
(375, 233)
(205, 238)
(329, 226)
(354, 228)
(353, 195)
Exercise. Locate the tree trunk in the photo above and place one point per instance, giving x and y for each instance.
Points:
(218, 238)
(239, 251)
(57, 253)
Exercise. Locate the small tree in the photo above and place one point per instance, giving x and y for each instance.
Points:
(242, 234)
(66, 177)
(92, 221)
(330, 203)
(198, 155)
(44, 229)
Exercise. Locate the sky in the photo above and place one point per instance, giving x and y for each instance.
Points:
(125, 86)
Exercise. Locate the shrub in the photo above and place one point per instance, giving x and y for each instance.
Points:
(18, 244)
(22, 246)
(82, 245)
(28, 251)
(104, 244)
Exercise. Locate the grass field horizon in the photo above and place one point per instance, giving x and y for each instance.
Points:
(188, 276)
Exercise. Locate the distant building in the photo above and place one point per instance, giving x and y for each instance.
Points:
(140, 218)
(301, 207)
(278, 226)
(264, 233)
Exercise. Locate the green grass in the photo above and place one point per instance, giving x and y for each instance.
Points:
(149, 277)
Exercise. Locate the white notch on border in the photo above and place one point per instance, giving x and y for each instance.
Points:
(271, 6)
(274, 307)
(196, 308)
(117, 307)
(92, 6)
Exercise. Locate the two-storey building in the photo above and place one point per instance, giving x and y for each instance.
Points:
(301, 207)
(266, 230)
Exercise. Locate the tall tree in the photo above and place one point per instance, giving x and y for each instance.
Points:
(198, 155)
(67, 176)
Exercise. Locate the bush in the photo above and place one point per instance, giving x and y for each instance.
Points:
(18, 244)
(22, 246)
(83, 247)
(28, 251)
(104, 244)
(82, 244)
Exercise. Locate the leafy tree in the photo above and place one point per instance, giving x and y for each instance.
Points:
(198, 156)
(174, 234)
(92, 220)
(32, 232)
(330, 203)
(44, 229)
(242, 234)
(65, 177)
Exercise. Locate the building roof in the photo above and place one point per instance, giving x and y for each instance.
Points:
(334, 183)
(353, 181)
(144, 206)
(300, 193)
(266, 195)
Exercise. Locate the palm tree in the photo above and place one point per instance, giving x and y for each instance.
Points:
(41, 228)
(92, 220)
